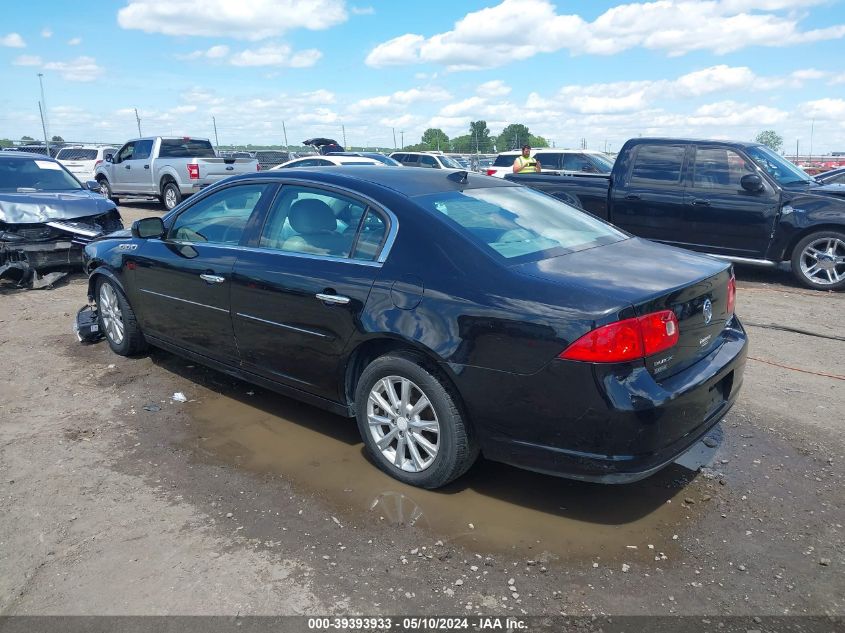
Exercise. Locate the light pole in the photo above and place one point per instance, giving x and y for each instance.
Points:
(45, 123)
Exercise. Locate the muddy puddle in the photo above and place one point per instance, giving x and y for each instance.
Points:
(510, 510)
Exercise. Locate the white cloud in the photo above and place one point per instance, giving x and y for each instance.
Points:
(12, 40)
(79, 69)
(401, 98)
(46, 32)
(27, 60)
(495, 88)
(516, 30)
(276, 55)
(254, 20)
(362, 10)
(215, 52)
(75, 41)
(824, 109)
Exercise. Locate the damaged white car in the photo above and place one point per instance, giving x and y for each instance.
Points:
(46, 217)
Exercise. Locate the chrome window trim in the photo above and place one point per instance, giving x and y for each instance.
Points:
(202, 305)
(282, 325)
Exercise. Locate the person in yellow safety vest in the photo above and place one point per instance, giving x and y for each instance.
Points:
(526, 164)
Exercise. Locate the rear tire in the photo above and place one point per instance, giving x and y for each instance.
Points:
(818, 260)
(117, 320)
(105, 189)
(170, 195)
(425, 440)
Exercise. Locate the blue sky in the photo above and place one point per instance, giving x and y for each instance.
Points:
(601, 71)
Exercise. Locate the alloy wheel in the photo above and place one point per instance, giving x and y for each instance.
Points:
(403, 424)
(823, 261)
(111, 314)
(169, 198)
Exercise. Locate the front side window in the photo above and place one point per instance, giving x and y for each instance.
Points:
(578, 162)
(126, 152)
(785, 172)
(143, 149)
(520, 224)
(719, 168)
(318, 222)
(658, 164)
(219, 218)
(428, 161)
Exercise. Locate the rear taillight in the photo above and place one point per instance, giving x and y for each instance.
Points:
(731, 294)
(257, 166)
(193, 171)
(626, 340)
(491, 172)
(97, 164)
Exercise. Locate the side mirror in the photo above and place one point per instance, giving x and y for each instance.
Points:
(752, 183)
(93, 185)
(147, 228)
(109, 158)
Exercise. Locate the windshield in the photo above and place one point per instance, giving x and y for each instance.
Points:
(450, 163)
(22, 175)
(383, 159)
(778, 167)
(520, 224)
(605, 163)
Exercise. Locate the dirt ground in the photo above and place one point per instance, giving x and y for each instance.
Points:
(116, 499)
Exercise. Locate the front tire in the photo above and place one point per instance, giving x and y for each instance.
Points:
(106, 190)
(117, 320)
(411, 423)
(170, 195)
(818, 260)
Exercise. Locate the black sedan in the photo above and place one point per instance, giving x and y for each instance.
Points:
(451, 313)
(46, 216)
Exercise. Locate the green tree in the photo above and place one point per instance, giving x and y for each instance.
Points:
(479, 134)
(57, 139)
(513, 136)
(5, 142)
(770, 139)
(27, 138)
(537, 141)
(435, 138)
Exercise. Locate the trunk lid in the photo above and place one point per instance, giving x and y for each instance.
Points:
(214, 169)
(652, 277)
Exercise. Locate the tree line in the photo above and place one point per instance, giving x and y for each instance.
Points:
(478, 140)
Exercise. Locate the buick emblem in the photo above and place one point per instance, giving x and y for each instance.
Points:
(707, 309)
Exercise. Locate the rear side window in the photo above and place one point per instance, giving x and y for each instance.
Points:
(504, 160)
(658, 164)
(77, 154)
(549, 160)
(185, 148)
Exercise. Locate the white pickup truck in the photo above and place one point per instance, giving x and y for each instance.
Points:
(167, 168)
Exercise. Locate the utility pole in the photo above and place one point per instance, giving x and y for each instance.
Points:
(796, 150)
(812, 125)
(394, 137)
(42, 106)
(44, 128)
(402, 132)
(343, 129)
(138, 121)
(287, 147)
(216, 140)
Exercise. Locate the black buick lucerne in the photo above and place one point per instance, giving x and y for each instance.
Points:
(451, 313)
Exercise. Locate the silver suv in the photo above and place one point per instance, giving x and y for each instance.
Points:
(425, 159)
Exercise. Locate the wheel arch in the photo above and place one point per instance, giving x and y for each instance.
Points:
(804, 232)
(100, 272)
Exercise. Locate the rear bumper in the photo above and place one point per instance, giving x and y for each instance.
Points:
(604, 423)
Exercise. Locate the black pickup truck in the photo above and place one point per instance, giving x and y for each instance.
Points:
(737, 201)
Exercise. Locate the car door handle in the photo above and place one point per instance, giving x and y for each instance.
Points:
(339, 299)
(127, 166)
(212, 279)
(146, 166)
(698, 202)
(632, 196)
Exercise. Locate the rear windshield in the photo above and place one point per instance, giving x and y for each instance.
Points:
(77, 154)
(186, 148)
(505, 160)
(22, 175)
(520, 224)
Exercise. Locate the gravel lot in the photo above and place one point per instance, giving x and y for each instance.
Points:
(114, 499)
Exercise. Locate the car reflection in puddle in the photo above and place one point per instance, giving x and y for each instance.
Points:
(493, 508)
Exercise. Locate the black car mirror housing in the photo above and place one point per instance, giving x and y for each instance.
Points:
(146, 228)
(752, 183)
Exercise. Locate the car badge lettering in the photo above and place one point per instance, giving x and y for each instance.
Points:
(127, 247)
(707, 309)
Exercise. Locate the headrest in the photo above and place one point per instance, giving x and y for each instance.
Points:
(311, 216)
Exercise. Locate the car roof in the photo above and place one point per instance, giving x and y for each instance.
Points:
(28, 155)
(408, 182)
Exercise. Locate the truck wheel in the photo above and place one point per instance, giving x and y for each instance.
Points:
(105, 189)
(818, 260)
(170, 195)
(411, 424)
(117, 320)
